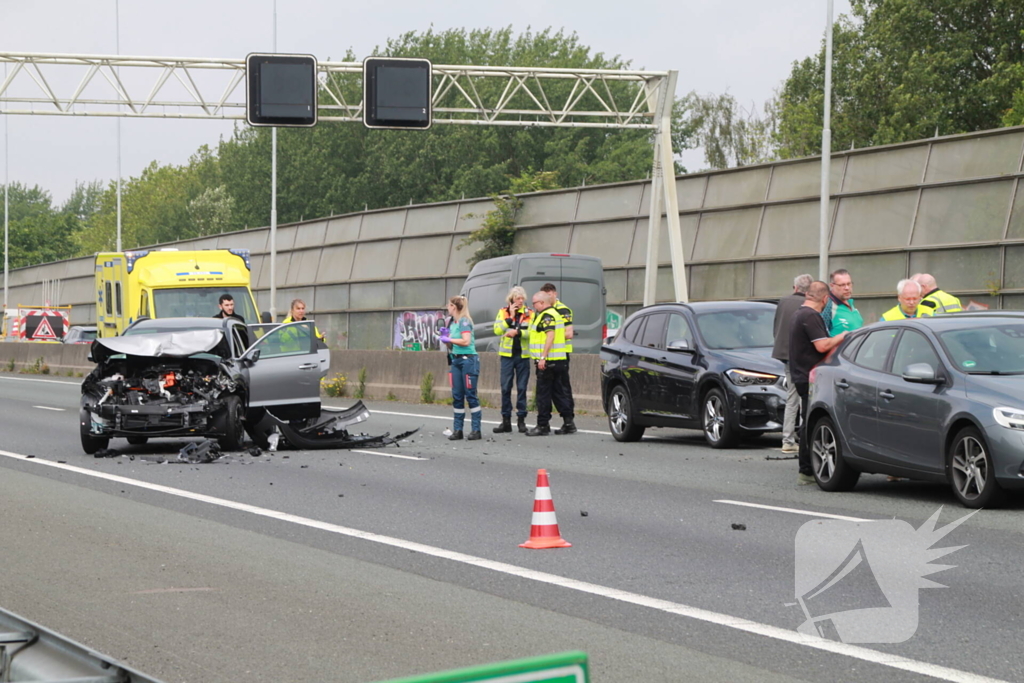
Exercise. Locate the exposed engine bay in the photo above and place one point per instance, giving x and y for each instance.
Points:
(137, 396)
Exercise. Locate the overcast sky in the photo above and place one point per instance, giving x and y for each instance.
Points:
(744, 47)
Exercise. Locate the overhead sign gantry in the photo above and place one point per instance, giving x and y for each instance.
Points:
(204, 88)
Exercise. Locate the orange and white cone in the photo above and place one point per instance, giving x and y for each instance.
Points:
(544, 527)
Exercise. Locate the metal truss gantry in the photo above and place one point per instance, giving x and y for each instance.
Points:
(204, 88)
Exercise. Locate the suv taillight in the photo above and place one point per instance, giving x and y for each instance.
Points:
(604, 331)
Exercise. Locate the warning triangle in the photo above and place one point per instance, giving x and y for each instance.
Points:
(44, 330)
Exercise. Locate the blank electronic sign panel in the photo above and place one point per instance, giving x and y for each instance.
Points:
(281, 90)
(396, 93)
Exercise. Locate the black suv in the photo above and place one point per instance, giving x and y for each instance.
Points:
(704, 365)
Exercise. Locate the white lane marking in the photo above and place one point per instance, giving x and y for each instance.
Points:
(489, 422)
(387, 455)
(49, 408)
(34, 379)
(737, 623)
(795, 511)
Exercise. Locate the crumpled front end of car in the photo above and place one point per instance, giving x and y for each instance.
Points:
(156, 396)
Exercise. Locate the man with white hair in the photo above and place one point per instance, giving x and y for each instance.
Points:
(934, 301)
(783, 316)
(908, 293)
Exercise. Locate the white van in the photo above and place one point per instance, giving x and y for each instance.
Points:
(580, 283)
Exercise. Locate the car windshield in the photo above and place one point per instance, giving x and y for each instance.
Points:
(737, 329)
(988, 350)
(200, 302)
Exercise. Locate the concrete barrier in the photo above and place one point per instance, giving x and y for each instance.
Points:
(394, 373)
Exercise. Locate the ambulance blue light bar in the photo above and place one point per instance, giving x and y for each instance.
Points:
(244, 255)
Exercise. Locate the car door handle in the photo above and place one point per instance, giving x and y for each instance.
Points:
(842, 384)
(309, 366)
(887, 395)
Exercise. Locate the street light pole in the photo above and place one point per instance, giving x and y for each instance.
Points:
(117, 42)
(7, 211)
(273, 204)
(826, 153)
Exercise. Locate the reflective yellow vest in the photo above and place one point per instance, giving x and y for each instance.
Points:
(316, 330)
(501, 327)
(937, 303)
(566, 314)
(539, 338)
(896, 313)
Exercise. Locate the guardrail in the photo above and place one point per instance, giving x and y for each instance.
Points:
(30, 652)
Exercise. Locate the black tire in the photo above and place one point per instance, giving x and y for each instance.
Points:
(716, 421)
(831, 470)
(231, 424)
(971, 474)
(90, 443)
(621, 420)
(138, 440)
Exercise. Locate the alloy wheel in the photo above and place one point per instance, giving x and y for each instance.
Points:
(714, 417)
(970, 468)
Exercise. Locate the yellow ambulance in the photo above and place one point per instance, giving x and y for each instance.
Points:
(167, 283)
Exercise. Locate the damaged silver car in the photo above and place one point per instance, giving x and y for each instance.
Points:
(200, 377)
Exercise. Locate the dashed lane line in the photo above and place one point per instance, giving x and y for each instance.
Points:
(795, 511)
(774, 632)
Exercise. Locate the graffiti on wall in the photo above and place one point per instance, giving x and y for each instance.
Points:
(418, 327)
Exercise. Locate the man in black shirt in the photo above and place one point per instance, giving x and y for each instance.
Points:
(783, 317)
(808, 344)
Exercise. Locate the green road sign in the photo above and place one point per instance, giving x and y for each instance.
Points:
(612, 319)
(565, 667)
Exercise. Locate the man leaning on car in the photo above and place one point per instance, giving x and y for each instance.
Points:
(808, 344)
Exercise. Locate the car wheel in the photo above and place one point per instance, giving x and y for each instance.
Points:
(138, 440)
(90, 443)
(231, 424)
(971, 473)
(620, 416)
(831, 470)
(718, 428)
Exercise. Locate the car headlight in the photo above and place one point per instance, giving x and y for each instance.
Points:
(748, 378)
(1011, 418)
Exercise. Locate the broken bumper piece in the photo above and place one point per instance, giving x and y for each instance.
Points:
(330, 430)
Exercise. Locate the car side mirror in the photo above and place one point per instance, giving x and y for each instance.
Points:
(921, 373)
(251, 358)
(265, 317)
(680, 345)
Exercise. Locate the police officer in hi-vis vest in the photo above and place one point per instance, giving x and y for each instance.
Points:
(547, 348)
(512, 325)
(934, 301)
(570, 405)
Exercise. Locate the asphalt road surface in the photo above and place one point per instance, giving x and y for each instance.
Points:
(367, 565)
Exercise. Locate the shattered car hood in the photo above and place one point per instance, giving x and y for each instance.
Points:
(158, 345)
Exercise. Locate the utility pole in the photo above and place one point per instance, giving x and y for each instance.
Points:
(826, 154)
(273, 204)
(117, 45)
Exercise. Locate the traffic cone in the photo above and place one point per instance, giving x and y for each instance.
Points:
(544, 527)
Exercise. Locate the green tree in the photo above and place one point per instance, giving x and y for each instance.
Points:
(38, 232)
(906, 70)
(729, 134)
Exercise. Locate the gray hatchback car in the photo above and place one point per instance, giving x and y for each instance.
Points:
(937, 399)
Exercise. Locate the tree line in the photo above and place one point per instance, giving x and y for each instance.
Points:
(902, 70)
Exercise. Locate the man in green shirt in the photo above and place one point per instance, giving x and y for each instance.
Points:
(841, 314)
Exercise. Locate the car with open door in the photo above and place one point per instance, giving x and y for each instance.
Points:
(199, 377)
